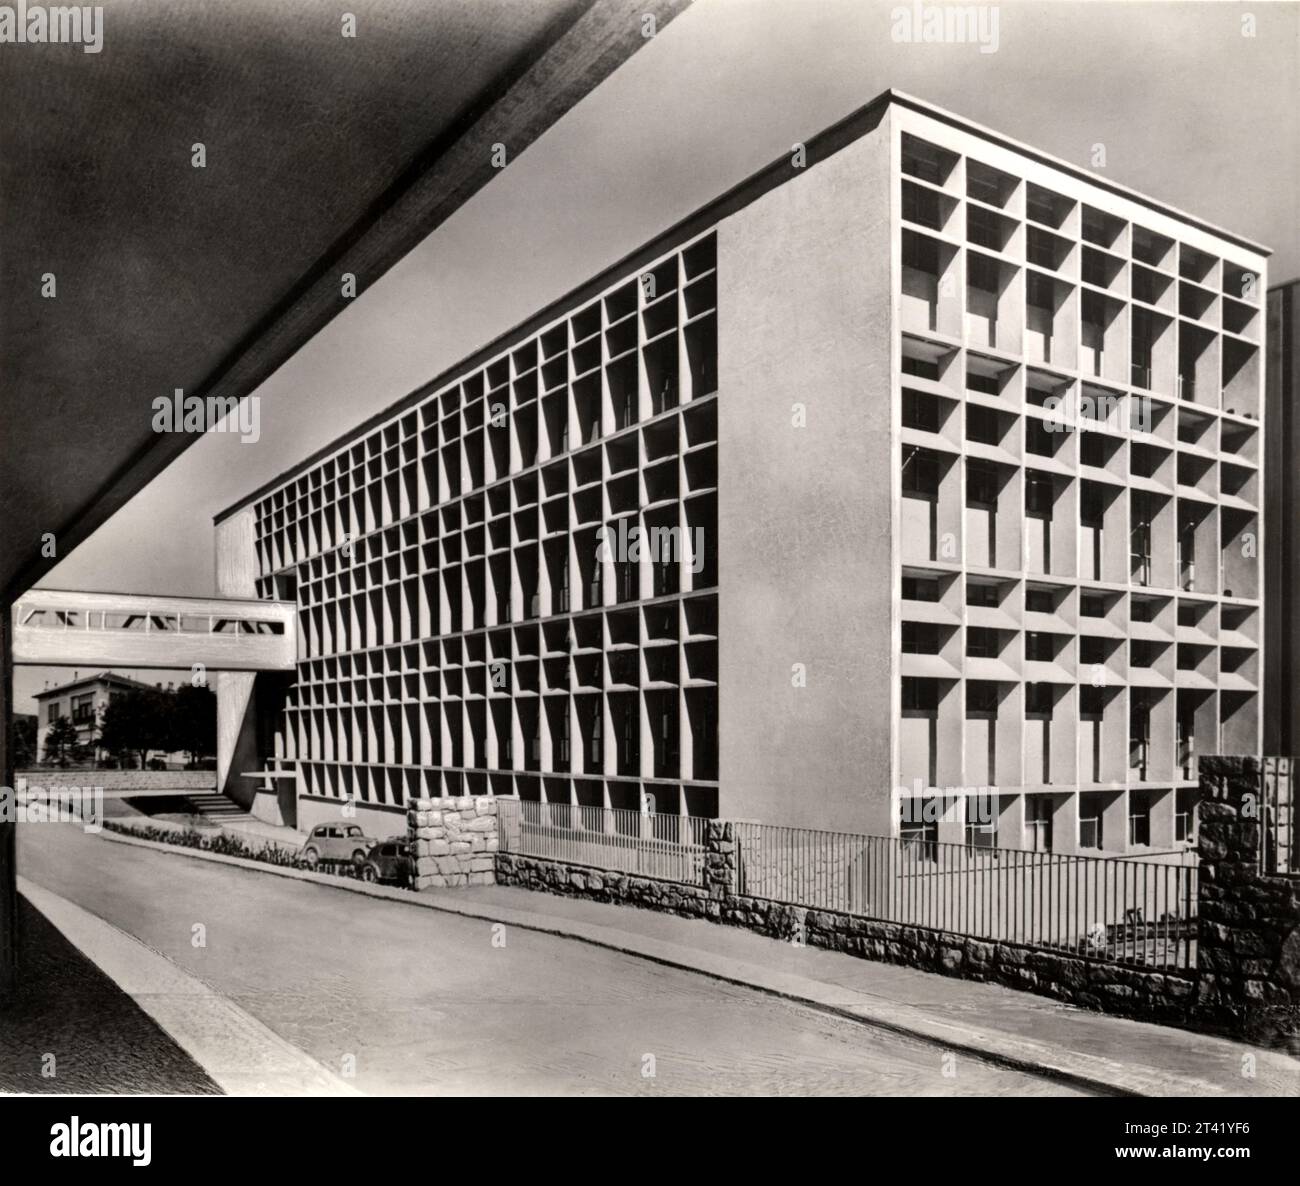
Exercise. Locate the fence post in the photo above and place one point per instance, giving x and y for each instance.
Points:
(1248, 949)
(720, 859)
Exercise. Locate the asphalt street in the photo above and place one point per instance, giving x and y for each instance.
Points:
(401, 999)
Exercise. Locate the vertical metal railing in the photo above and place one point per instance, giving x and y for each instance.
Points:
(668, 847)
(1126, 910)
(1278, 849)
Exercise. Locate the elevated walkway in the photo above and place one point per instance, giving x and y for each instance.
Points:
(54, 627)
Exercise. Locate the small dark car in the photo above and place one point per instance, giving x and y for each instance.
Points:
(389, 860)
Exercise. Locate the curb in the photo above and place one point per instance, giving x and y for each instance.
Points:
(237, 1052)
(1086, 1071)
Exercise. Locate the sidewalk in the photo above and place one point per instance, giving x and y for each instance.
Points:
(208, 1040)
(1106, 1054)
(1029, 1031)
(70, 1030)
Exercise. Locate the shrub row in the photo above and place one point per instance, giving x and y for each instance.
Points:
(227, 844)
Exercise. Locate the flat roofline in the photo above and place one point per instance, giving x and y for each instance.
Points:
(821, 146)
(1037, 154)
(245, 602)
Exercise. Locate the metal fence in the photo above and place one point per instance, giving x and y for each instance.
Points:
(670, 847)
(1278, 851)
(1121, 909)
(1132, 911)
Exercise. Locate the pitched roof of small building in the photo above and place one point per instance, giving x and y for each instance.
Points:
(102, 677)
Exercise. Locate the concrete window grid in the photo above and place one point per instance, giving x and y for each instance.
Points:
(1018, 284)
(1013, 293)
(443, 649)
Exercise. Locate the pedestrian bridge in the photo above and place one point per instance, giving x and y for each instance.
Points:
(54, 627)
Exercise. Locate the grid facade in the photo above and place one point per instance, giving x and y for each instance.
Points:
(466, 627)
(991, 519)
(1079, 496)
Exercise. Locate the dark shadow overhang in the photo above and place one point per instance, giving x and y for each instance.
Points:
(325, 155)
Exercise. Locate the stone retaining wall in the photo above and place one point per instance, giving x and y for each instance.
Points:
(1162, 996)
(1095, 984)
(454, 841)
(122, 780)
(601, 885)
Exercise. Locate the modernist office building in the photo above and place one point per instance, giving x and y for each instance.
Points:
(970, 443)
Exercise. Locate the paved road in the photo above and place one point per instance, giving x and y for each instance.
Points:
(427, 1004)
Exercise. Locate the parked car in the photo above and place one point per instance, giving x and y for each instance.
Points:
(331, 843)
(389, 860)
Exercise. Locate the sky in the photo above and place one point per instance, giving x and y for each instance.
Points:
(1190, 111)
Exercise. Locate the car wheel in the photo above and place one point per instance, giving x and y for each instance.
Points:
(368, 873)
(312, 857)
(359, 857)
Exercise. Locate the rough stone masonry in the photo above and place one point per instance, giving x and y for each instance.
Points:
(453, 841)
(1249, 945)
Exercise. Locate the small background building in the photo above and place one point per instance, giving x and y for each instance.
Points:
(83, 701)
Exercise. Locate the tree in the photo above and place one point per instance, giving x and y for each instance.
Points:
(136, 722)
(194, 721)
(61, 740)
(24, 742)
(148, 718)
